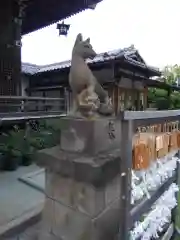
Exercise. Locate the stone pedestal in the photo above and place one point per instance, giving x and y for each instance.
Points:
(90, 137)
(83, 181)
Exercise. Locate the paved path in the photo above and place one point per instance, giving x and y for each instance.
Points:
(32, 233)
(16, 198)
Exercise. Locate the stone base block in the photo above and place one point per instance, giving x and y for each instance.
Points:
(80, 211)
(70, 224)
(96, 170)
(81, 196)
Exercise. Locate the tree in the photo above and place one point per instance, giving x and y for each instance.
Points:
(160, 97)
(171, 74)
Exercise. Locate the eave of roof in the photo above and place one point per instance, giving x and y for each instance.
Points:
(118, 54)
(29, 68)
(40, 14)
(147, 68)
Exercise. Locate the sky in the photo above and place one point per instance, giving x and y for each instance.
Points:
(152, 26)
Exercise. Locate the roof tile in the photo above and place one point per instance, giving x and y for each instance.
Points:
(29, 68)
(128, 53)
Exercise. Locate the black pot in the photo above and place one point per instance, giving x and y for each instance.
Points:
(26, 160)
(11, 163)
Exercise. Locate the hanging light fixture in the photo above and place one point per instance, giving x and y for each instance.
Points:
(63, 28)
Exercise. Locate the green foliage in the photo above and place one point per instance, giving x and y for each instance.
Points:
(171, 73)
(159, 97)
(154, 93)
(162, 103)
(15, 143)
(48, 134)
(19, 145)
(27, 148)
(10, 144)
(22, 142)
(37, 142)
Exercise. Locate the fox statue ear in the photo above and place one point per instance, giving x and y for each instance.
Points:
(88, 40)
(78, 38)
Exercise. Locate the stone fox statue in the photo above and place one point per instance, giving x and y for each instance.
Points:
(88, 95)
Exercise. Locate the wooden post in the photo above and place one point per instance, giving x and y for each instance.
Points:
(145, 97)
(116, 98)
(132, 99)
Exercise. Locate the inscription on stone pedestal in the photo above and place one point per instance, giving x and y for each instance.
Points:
(111, 130)
(91, 137)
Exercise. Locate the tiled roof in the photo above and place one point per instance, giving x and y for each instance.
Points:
(29, 68)
(128, 53)
(55, 66)
(102, 57)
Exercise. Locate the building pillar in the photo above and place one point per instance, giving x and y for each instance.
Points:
(10, 48)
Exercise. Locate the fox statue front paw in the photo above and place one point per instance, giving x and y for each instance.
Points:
(105, 109)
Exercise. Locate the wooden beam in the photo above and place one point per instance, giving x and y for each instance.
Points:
(145, 97)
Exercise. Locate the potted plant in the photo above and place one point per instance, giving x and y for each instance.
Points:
(10, 154)
(11, 157)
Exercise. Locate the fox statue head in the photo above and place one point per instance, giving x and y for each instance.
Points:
(83, 48)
